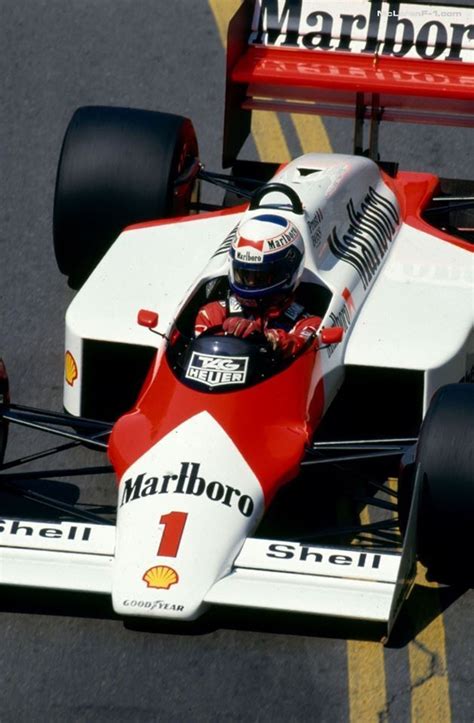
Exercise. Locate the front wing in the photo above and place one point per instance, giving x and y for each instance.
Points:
(349, 582)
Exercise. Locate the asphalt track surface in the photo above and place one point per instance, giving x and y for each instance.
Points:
(68, 658)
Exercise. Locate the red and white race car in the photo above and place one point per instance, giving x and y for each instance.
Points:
(204, 433)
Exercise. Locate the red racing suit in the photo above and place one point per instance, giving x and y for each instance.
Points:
(287, 327)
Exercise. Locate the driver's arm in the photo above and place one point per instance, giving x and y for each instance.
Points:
(290, 342)
(210, 316)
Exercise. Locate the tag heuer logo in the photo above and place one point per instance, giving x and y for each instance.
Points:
(215, 371)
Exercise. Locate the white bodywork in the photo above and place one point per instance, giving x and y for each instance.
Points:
(411, 305)
(217, 518)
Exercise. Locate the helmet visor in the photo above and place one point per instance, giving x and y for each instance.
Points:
(252, 278)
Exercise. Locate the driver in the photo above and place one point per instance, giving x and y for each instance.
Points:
(266, 264)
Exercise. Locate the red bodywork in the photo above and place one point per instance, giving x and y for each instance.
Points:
(271, 423)
(414, 192)
(301, 75)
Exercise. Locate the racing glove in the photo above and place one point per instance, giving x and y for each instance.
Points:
(279, 339)
(239, 326)
(290, 342)
(210, 317)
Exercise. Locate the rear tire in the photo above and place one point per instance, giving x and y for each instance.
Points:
(117, 167)
(445, 453)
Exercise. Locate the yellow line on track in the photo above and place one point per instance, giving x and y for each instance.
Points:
(266, 129)
(269, 137)
(366, 674)
(312, 134)
(427, 658)
(223, 10)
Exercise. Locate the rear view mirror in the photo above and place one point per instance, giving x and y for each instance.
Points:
(147, 318)
(333, 335)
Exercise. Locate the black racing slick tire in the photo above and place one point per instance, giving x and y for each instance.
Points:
(445, 453)
(117, 167)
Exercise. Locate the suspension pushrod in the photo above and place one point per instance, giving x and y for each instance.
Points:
(357, 442)
(47, 473)
(66, 419)
(58, 432)
(350, 458)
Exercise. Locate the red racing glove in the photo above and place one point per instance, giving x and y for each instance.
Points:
(290, 342)
(210, 317)
(239, 326)
(279, 339)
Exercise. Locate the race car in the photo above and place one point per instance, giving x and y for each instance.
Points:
(205, 433)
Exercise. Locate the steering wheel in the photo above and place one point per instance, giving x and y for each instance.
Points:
(258, 338)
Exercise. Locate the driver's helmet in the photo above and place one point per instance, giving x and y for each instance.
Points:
(267, 258)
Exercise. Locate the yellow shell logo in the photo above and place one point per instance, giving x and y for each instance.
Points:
(161, 577)
(70, 368)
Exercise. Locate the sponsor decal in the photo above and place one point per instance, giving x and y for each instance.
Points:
(282, 241)
(366, 240)
(249, 257)
(153, 605)
(294, 311)
(224, 247)
(186, 482)
(315, 228)
(216, 371)
(70, 369)
(33, 529)
(394, 29)
(415, 75)
(342, 318)
(257, 245)
(160, 577)
(312, 556)
(289, 556)
(235, 307)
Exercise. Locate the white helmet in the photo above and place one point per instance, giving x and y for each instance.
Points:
(267, 257)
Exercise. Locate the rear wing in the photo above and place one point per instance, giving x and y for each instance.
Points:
(395, 61)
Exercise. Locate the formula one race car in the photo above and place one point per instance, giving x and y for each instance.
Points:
(206, 434)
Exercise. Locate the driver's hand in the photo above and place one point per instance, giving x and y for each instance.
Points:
(273, 338)
(280, 340)
(239, 326)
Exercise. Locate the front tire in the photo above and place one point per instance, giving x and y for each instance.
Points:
(117, 167)
(445, 452)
